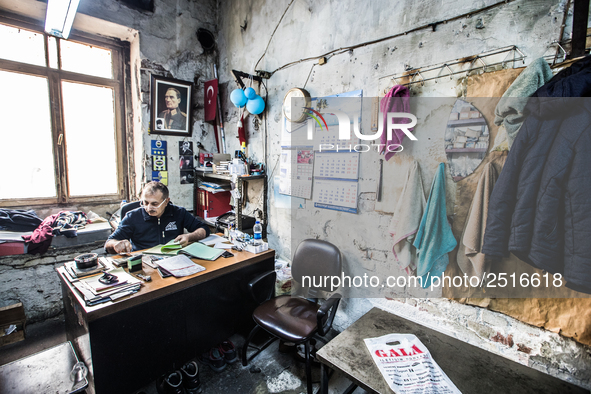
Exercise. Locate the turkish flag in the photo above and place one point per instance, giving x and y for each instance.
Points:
(210, 90)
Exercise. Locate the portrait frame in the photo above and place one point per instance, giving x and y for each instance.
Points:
(164, 117)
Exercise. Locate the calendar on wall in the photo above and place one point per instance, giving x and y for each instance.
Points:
(336, 181)
(296, 169)
(337, 165)
(337, 195)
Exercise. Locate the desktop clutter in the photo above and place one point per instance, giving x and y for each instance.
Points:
(225, 164)
(104, 279)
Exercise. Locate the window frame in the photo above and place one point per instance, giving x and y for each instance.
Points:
(120, 53)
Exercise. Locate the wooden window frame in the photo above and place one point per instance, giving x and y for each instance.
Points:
(119, 83)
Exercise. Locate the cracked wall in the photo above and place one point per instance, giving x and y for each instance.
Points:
(250, 30)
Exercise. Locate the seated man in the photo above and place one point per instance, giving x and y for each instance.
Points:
(156, 222)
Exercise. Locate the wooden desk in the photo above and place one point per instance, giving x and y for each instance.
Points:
(128, 343)
(471, 369)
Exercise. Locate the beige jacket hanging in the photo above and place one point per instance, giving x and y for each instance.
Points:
(470, 260)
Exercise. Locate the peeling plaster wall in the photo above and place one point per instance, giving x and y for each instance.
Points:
(310, 29)
(168, 47)
(163, 42)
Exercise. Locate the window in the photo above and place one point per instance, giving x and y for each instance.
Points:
(61, 124)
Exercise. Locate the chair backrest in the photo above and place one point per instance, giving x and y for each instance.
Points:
(314, 263)
(128, 207)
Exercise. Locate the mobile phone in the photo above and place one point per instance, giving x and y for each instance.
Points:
(227, 254)
(163, 273)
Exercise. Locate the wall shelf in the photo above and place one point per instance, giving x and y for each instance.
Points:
(467, 122)
(467, 150)
(200, 174)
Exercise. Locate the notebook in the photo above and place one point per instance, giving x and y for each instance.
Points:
(196, 249)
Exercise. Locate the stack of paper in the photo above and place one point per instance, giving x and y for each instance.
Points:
(213, 187)
(180, 265)
(95, 292)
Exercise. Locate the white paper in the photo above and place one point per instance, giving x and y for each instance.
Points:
(407, 365)
(223, 245)
(180, 265)
(212, 239)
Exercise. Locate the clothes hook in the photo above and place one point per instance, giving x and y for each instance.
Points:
(420, 75)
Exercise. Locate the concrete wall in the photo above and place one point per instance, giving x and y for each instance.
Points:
(293, 31)
(163, 42)
(168, 47)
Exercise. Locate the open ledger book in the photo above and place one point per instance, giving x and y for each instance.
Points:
(196, 249)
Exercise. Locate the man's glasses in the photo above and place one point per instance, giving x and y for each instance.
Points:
(147, 204)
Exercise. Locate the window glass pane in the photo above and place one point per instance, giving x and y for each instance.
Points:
(89, 121)
(25, 135)
(22, 45)
(52, 51)
(86, 59)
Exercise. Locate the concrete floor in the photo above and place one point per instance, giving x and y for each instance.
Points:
(270, 372)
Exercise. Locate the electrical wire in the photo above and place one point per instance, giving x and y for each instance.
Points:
(272, 34)
(310, 73)
(431, 25)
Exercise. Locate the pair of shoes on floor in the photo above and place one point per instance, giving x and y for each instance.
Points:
(217, 357)
(228, 349)
(186, 380)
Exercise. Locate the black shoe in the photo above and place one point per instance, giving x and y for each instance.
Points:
(228, 351)
(191, 381)
(214, 359)
(170, 383)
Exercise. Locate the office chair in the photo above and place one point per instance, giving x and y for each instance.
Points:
(298, 319)
(128, 207)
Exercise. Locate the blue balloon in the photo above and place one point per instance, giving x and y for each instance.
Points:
(250, 93)
(238, 98)
(256, 106)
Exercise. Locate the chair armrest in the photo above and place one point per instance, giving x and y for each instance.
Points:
(254, 282)
(324, 321)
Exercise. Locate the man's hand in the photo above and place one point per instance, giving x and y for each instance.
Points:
(123, 246)
(183, 239)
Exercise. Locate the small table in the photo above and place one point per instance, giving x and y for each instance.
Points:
(45, 372)
(471, 369)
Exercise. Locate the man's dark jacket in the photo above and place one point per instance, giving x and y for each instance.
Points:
(145, 231)
(540, 207)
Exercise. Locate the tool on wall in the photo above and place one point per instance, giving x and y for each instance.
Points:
(219, 112)
(210, 100)
(379, 197)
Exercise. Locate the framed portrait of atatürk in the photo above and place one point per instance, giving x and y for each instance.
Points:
(171, 106)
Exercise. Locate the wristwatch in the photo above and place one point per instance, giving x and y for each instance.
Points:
(296, 114)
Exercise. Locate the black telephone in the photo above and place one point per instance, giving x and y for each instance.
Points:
(230, 217)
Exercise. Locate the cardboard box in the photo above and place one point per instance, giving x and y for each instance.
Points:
(12, 316)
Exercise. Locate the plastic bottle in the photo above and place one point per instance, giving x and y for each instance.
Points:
(258, 233)
(123, 202)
